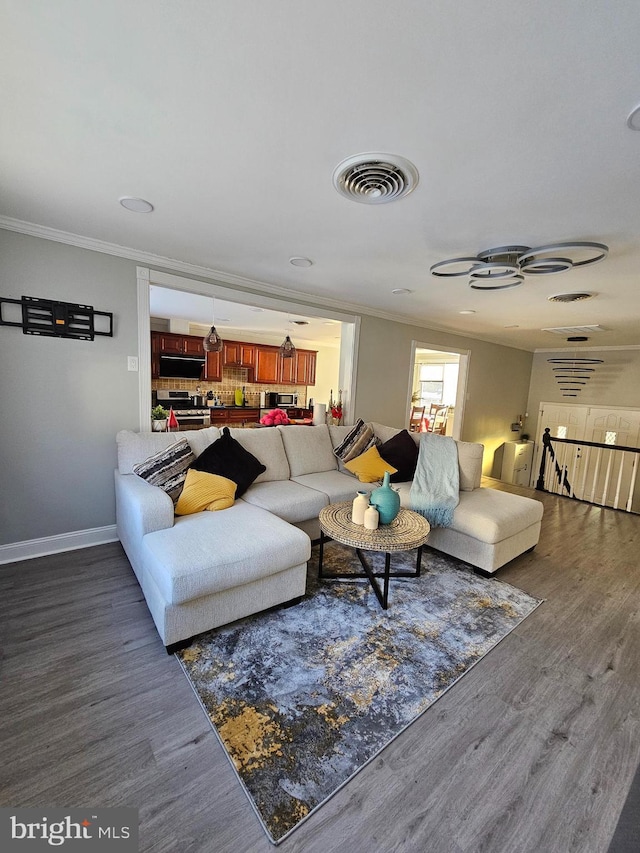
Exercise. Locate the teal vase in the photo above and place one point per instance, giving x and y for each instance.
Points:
(386, 500)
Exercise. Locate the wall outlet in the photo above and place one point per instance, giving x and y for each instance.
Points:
(132, 362)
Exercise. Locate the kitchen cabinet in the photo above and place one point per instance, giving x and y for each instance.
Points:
(238, 354)
(267, 369)
(231, 416)
(169, 343)
(272, 369)
(213, 367)
(305, 367)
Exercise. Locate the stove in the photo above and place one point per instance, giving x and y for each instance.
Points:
(184, 407)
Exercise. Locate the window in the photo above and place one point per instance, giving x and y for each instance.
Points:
(437, 383)
(561, 432)
(610, 437)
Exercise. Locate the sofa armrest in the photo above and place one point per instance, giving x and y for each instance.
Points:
(140, 507)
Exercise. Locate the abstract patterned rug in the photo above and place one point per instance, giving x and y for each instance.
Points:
(302, 698)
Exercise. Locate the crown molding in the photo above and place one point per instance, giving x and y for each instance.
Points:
(148, 259)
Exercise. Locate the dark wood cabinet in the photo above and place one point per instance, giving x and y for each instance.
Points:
(272, 369)
(234, 417)
(305, 367)
(238, 354)
(213, 367)
(267, 369)
(264, 363)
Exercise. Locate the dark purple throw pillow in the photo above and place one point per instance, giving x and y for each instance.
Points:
(401, 452)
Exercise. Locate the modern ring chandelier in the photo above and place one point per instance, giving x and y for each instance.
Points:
(573, 373)
(507, 266)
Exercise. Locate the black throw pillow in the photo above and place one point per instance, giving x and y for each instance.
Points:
(400, 452)
(228, 458)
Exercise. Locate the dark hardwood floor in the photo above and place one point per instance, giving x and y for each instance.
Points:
(533, 750)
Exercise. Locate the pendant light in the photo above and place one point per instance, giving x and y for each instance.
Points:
(287, 349)
(212, 342)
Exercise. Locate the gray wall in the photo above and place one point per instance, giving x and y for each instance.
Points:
(497, 386)
(63, 401)
(614, 383)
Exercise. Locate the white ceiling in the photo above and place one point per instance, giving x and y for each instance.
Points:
(230, 117)
(233, 319)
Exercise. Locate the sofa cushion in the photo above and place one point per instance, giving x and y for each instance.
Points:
(401, 451)
(199, 555)
(267, 446)
(287, 499)
(335, 485)
(204, 491)
(369, 466)
(228, 458)
(358, 439)
(308, 449)
(167, 468)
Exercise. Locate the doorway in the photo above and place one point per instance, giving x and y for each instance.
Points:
(438, 379)
(146, 278)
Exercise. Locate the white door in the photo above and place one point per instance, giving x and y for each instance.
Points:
(606, 478)
(563, 421)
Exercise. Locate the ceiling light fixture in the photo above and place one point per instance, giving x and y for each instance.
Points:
(136, 205)
(467, 311)
(287, 349)
(506, 266)
(375, 178)
(301, 262)
(212, 342)
(399, 291)
(573, 373)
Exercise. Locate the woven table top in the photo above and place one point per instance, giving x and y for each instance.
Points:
(407, 530)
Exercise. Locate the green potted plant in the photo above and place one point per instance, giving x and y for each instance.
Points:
(159, 417)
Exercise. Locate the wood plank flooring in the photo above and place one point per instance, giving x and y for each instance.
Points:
(533, 750)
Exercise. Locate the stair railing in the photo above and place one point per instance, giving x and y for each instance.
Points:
(602, 474)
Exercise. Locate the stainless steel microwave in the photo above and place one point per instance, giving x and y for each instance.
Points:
(285, 400)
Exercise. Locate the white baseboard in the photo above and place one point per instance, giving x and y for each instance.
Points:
(55, 544)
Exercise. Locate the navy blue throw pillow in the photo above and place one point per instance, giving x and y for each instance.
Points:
(228, 458)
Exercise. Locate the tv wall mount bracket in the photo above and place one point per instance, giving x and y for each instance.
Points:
(57, 319)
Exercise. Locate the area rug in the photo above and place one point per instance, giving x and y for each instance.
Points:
(302, 698)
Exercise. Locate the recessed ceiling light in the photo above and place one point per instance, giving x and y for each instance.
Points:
(257, 310)
(633, 119)
(137, 205)
(512, 326)
(467, 311)
(401, 290)
(301, 262)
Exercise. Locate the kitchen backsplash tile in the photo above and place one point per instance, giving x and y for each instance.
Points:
(232, 378)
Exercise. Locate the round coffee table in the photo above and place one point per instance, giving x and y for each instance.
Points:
(407, 531)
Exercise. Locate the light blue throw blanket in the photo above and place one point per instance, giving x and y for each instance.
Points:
(436, 482)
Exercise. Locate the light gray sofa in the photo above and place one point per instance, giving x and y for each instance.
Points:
(210, 568)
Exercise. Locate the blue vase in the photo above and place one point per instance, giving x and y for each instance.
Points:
(386, 500)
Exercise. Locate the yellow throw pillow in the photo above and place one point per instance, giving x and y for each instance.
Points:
(369, 466)
(205, 491)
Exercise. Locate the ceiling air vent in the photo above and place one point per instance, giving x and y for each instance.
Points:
(574, 330)
(375, 178)
(570, 297)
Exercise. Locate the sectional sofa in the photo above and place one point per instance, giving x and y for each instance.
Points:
(206, 569)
